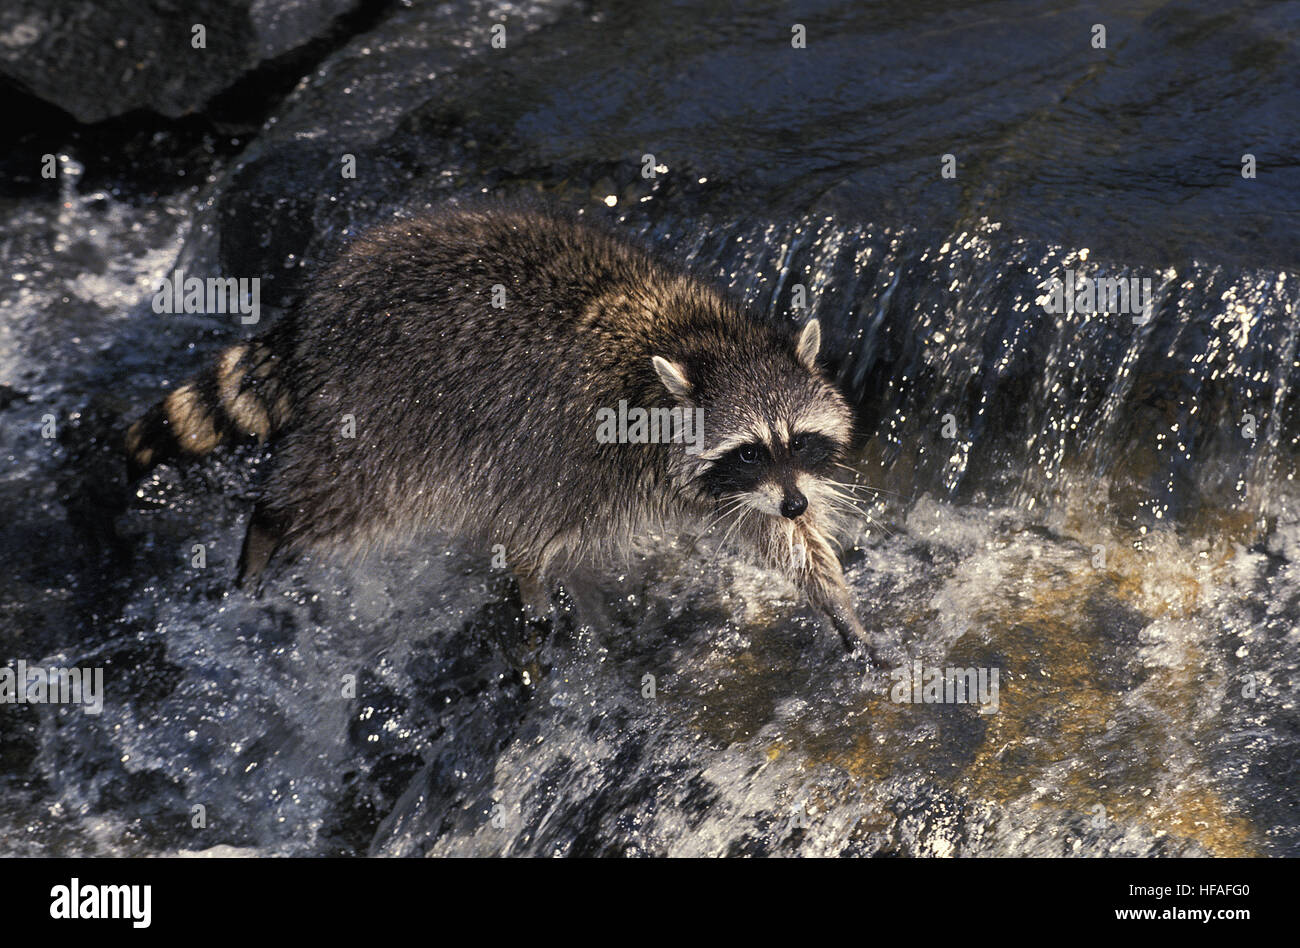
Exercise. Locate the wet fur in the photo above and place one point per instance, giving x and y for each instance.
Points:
(481, 421)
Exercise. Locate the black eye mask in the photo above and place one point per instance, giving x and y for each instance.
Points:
(740, 469)
(815, 453)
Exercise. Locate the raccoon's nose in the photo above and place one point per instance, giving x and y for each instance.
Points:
(793, 505)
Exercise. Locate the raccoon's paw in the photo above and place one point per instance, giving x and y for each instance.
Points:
(835, 607)
(854, 635)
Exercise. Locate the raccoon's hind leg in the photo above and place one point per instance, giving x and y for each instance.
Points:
(264, 537)
(534, 592)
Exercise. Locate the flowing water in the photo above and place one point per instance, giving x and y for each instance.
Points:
(1099, 507)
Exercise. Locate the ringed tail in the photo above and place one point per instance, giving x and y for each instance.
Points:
(238, 396)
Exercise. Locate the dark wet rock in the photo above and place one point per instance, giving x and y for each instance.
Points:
(99, 60)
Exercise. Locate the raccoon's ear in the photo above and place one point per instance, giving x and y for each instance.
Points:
(810, 341)
(673, 376)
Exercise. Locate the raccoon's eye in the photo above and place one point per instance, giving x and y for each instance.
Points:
(749, 454)
(813, 450)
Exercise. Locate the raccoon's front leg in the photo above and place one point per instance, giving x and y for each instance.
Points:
(826, 591)
(801, 550)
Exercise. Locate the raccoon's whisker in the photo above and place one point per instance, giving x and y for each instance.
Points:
(731, 506)
(845, 501)
(840, 491)
(859, 487)
(865, 487)
(856, 484)
(837, 491)
(716, 520)
(848, 509)
(725, 507)
(847, 505)
(873, 521)
(746, 509)
(848, 467)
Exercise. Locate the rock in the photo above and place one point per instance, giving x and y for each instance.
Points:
(100, 60)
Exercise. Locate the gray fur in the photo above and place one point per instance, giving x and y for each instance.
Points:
(482, 421)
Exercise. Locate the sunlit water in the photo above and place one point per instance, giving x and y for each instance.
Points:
(1102, 510)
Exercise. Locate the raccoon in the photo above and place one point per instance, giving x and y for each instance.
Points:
(473, 351)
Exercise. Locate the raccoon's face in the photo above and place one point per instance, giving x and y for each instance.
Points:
(774, 429)
(776, 477)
